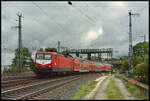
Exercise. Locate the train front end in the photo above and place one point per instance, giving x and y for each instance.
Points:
(43, 63)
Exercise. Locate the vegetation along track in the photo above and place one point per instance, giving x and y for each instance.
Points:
(29, 91)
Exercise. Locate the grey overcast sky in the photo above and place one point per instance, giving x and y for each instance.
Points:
(80, 25)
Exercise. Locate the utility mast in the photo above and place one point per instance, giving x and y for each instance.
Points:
(19, 42)
(130, 39)
(58, 46)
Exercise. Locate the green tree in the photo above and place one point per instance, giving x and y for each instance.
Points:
(50, 49)
(41, 50)
(141, 49)
(125, 64)
(141, 61)
(25, 55)
(13, 69)
(137, 60)
(146, 59)
(5, 70)
(142, 72)
(64, 53)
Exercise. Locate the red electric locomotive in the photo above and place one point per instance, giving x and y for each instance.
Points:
(47, 63)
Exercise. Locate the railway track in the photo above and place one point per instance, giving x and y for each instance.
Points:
(8, 78)
(27, 92)
(17, 74)
(10, 81)
(7, 84)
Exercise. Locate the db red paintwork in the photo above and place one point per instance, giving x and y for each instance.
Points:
(48, 62)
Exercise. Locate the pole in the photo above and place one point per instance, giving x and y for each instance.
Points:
(19, 43)
(58, 46)
(111, 55)
(130, 39)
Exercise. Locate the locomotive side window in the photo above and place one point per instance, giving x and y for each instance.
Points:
(39, 56)
(55, 57)
(47, 56)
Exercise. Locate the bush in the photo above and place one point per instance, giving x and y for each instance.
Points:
(125, 65)
(135, 91)
(146, 59)
(137, 60)
(142, 72)
(26, 70)
(5, 70)
(15, 69)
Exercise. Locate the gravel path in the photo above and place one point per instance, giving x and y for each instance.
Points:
(66, 92)
(123, 90)
(101, 94)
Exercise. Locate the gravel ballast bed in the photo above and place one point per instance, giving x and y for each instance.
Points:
(66, 92)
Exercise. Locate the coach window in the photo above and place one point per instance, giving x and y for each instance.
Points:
(77, 64)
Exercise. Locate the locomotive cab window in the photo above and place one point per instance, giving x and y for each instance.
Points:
(39, 56)
(55, 57)
(47, 56)
(43, 56)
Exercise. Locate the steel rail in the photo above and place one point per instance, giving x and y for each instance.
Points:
(35, 89)
(17, 77)
(8, 84)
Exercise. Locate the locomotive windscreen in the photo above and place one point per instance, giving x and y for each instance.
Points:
(44, 56)
(43, 59)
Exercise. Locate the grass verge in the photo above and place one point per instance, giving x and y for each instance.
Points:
(93, 97)
(113, 92)
(84, 90)
(135, 91)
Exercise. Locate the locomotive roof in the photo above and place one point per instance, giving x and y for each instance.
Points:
(48, 52)
(68, 56)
